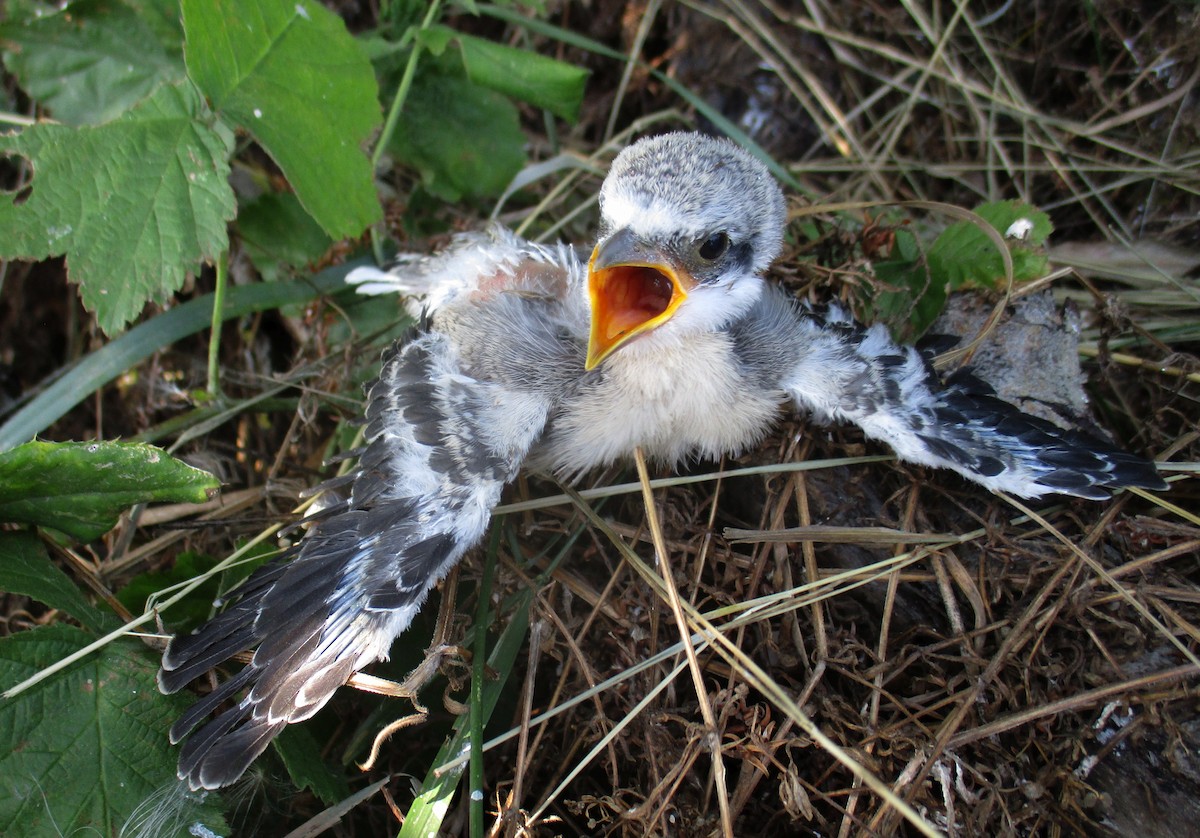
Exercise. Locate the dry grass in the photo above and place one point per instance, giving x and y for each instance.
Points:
(999, 673)
(984, 663)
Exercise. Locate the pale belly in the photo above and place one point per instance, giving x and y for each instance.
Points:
(689, 402)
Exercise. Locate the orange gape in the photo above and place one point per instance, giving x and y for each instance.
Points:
(628, 298)
(631, 296)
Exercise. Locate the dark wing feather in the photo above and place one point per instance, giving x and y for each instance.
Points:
(841, 371)
(440, 447)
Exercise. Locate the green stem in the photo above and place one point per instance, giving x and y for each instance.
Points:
(478, 673)
(214, 338)
(393, 117)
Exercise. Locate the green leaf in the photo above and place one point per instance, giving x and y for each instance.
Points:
(80, 488)
(522, 74)
(278, 233)
(464, 139)
(197, 608)
(964, 256)
(93, 61)
(915, 296)
(288, 73)
(26, 569)
(162, 18)
(132, 203)
(435, 38)
(301, 756)
(189, 612)
(81, 751)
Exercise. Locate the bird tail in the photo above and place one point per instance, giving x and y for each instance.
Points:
(421, 495)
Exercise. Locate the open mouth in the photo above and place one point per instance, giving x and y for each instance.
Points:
(633, 287)
(629, 297)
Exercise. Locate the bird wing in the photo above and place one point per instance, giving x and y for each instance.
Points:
(841, 371)
(441, 445)
(477, 264)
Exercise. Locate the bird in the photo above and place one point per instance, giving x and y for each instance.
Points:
(666, 336)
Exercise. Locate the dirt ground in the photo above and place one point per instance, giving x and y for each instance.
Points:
(1004, 671)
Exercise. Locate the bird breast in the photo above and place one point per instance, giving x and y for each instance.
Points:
(685, 400)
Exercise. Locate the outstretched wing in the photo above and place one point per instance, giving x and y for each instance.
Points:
(841, 371)
(440, 447)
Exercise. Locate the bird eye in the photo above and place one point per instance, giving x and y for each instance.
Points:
(714, 247)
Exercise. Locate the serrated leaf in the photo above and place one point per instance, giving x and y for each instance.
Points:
(93, 61)
(465, 140)
(80, 488)
(963, 255)
(520, 73)
(26, 569)
(133, 204)
(288, 73)
(82, 750)
(279, 234)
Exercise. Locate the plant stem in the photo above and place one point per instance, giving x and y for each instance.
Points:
(393, 117)
(214, 338)
(478, 673)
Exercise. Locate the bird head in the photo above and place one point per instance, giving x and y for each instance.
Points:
(688, 223)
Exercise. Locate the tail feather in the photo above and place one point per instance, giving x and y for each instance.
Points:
(218, 754)
(189, 656)
(204, 708)
(204, 657)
